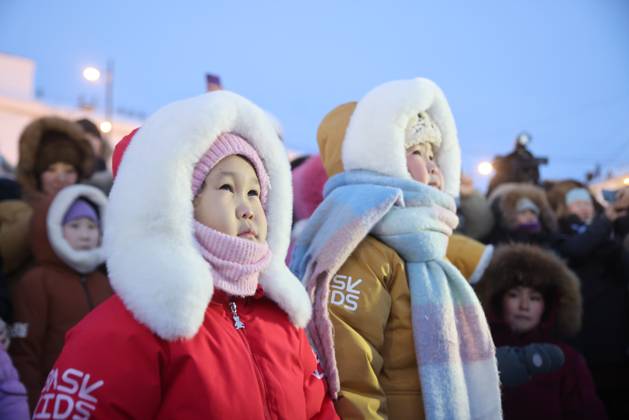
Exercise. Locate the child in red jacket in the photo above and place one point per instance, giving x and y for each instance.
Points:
(207, 321)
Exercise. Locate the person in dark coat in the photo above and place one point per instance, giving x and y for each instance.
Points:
(593, 248)
(523, 215)
(530, 296)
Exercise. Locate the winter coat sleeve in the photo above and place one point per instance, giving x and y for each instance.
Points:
(319, 405)
(579, 399)
(469, 256)
(13, 399)
(6, 308)
(581, 246)
(110, 368)
(15, 221)
(360, 308)
(30, 324)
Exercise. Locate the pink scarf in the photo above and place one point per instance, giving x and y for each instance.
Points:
(236, 263)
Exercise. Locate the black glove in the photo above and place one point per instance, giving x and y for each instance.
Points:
(518, 364)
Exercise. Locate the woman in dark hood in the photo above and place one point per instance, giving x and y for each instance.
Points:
(530, 296)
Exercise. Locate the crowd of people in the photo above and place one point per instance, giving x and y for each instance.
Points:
(207, 276)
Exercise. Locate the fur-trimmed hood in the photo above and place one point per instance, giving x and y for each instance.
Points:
(154, 261)
(370, 134)
(504, 200)
(556, 193)
(515, 265)
(30, 142)
(81, 261)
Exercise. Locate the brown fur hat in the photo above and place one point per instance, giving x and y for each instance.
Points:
(526, 265)
(505, 198)
(51, 139)
(556, 193)
(89, 127)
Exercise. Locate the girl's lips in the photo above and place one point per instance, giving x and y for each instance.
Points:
(247, 234)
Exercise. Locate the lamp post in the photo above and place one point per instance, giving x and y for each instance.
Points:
(93, 74)
(485, 168)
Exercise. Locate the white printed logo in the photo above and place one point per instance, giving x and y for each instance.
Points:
(66, 394)
(344, 292)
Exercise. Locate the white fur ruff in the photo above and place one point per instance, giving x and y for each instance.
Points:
(376, 132)
(153, 259)
(82, 261)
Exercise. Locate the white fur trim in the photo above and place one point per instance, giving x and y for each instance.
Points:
(82, 261)
(376, 130)
(153, 259)
(482, 264)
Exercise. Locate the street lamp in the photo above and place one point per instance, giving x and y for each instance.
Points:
(485, 168)
(92, 74)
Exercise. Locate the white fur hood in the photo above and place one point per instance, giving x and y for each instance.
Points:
(81, 261)
(375, 135)
(154, 262)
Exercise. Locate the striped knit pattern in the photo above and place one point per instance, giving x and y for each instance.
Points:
(236, 263)
(455, 353)
(228, 144)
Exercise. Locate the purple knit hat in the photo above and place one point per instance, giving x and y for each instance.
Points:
(80, 209)
(228, 144)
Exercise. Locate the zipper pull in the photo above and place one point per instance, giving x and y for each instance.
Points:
(238, 324)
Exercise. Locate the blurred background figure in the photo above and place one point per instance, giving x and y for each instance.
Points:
(54, 153)
(518, 166)
(66, 282)
(530, 296)
(102, 177)
(591, 242)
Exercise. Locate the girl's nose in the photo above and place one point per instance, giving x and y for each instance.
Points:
(245, 212)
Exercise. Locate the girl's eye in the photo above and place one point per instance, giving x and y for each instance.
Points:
(254, 193)
(417, 152)
(226, 187)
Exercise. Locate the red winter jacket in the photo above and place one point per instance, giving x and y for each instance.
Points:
(113, 367)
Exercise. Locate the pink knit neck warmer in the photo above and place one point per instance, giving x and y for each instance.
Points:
(236, 263)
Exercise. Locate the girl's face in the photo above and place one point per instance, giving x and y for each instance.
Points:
(58, 176)
(82, 234)
(229, 201)
(584, 210)
(421, 164)
(522, 309)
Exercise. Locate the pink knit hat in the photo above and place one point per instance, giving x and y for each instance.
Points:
(228, 144)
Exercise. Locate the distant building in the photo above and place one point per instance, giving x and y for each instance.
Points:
(18, 107)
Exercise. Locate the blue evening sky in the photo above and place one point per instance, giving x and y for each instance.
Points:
(559, 69)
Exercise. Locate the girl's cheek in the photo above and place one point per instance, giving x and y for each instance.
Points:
(417, 169)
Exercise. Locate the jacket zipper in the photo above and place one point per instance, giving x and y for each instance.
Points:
(83, 281)
(240, 327)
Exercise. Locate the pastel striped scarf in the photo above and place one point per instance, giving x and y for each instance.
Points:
(455, 353)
